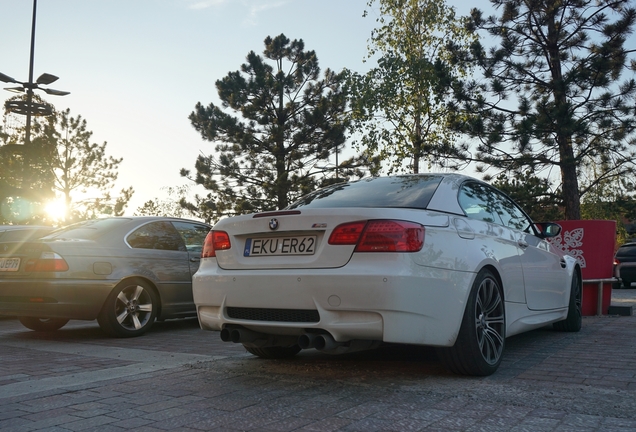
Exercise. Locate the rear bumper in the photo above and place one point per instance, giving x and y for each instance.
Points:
(628, 273)
(58, 298)
(394, 300)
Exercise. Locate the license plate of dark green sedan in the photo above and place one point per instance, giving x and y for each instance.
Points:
(9, 264)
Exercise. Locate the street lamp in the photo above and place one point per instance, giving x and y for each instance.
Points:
(30, 108)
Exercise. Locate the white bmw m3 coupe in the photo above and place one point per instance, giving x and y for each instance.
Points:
(442, 260)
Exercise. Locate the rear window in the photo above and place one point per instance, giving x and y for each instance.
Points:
(23, 234)
(627, 251)
(408, 191)
(88, 229)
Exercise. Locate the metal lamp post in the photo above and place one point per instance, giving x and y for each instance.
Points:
(28, 107)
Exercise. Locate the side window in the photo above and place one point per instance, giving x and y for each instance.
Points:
(479, 202)
(156, 235)
(193, 235)
(485, 203)
(511, 214)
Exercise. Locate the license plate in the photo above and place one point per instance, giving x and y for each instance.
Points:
(9, 264)
(276, 246)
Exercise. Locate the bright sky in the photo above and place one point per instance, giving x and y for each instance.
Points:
(136, 68)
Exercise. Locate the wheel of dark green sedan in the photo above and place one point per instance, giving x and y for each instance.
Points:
(130, 309)
(480, 344)
(43, 324)
(574, 320)
(275, 352)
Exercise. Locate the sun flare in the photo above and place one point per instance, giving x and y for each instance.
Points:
(56, 210)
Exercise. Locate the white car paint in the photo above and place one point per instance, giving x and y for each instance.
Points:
(413, 298)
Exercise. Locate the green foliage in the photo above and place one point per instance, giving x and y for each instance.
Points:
(104, 205)
(555, 93)
(203, 208)
(398, 108)
(152, 207)
(60, 159)
(82, 167)
(610, 199)
(292, 122)
(169, 206)
(532, 193)
(25, 181)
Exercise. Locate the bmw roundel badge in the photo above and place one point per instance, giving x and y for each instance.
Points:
(273, 224)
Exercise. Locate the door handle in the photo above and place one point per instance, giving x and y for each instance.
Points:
(195, 259)
(522, 244)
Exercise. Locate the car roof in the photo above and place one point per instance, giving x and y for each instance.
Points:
(442, 198)
(629, 244)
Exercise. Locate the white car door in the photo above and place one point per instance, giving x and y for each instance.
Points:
(544, 270)
(544, 273)
(537, 275)
(479, 202)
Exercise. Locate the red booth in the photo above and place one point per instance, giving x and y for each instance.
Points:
(593, 243)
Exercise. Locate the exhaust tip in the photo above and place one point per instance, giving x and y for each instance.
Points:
(305, 341)
(225, 335)
(320, 342)
(235, 336)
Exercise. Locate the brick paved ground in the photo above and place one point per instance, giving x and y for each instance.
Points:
(178, 377)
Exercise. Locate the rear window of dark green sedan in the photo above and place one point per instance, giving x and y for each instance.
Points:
(88, 229)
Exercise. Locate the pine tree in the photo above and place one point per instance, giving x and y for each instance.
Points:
(555, 93)
(292, 122)
(82, 168)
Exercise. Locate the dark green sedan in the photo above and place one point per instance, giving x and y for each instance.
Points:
(123, 271)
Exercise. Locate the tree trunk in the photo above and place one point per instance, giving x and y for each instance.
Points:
(571, 198)
(562, 114)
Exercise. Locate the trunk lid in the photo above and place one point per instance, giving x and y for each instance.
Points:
(298, 239)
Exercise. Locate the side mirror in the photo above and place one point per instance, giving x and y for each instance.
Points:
(548, 229)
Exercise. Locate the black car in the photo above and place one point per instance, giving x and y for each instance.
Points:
(625, 259)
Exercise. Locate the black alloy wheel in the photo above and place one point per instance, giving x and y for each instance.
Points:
(574, 320)
(479, 347)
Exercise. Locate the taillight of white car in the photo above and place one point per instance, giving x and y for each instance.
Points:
(214, 241)
(380, 236)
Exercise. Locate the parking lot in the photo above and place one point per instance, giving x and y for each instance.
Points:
(178, 377)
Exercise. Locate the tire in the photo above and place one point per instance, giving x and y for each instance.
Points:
(480, 344)
(43, 324)
(574, 320)
(627, 284)
(130, 309)
(275, 352)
